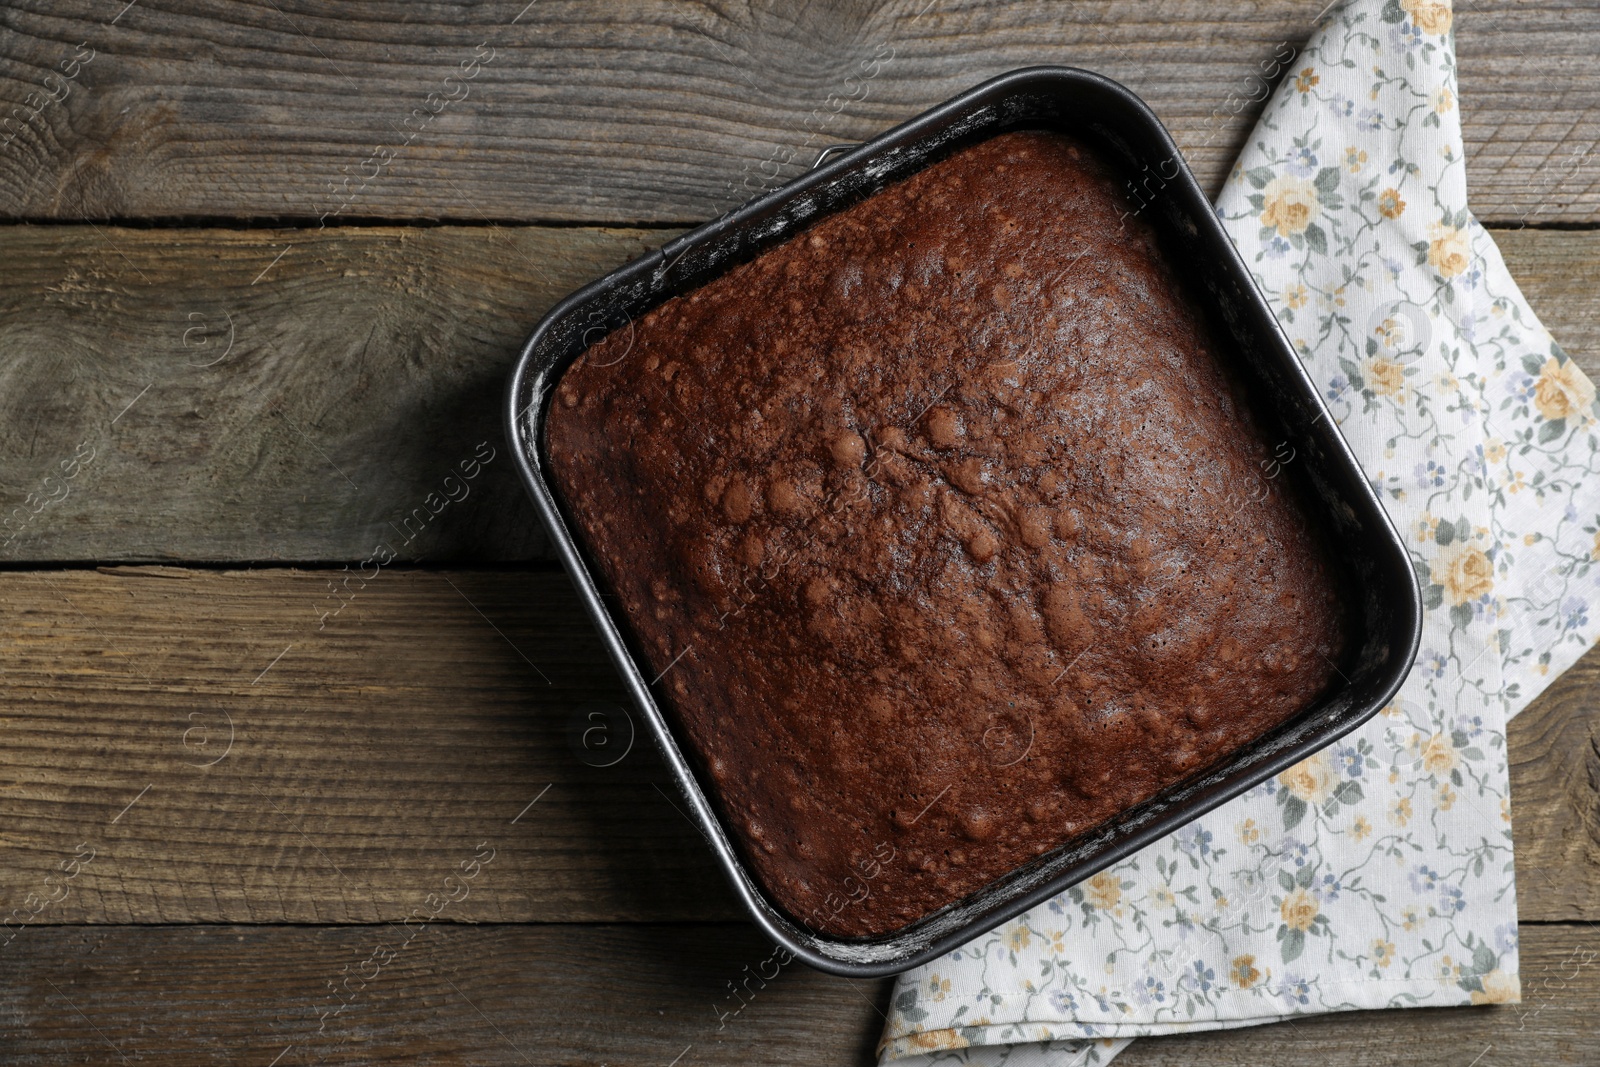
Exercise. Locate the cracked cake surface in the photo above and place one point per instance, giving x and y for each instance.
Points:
(948, 535)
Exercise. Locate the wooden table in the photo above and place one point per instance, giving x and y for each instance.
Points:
(266, 272)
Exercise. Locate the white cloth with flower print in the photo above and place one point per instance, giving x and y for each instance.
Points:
(1378, 873)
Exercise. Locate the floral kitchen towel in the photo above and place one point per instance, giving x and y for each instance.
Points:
(1377, 873)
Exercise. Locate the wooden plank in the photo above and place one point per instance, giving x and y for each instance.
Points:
(1555, 271)
(1555, 796)
(424, 716)
(366, 365)
(428, 994)
(367, 755)
(665, 112)
(263, 395)
(631, 995)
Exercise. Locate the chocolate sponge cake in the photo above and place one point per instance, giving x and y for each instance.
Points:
(947, 533)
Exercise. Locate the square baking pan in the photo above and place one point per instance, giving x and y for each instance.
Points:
(1380, 583)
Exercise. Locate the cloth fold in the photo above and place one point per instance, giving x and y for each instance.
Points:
(1378, 873)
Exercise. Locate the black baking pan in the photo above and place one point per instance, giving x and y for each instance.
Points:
(1381, 584)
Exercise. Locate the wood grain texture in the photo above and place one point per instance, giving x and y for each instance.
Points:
(300, 407)
(376, 752)
(443, 993)
(283, 109)
(1555, 271)
(623, 996)
(366, 364)
(1555, 795)
(260, 747)
(368, 757)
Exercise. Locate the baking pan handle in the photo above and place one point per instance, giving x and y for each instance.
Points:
(831, 151)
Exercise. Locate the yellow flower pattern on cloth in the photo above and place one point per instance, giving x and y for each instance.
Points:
(1378, 872)
(1447, 251)
(1103, 891)
(1289, 205)
(1429, 16)
(1562, 391)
